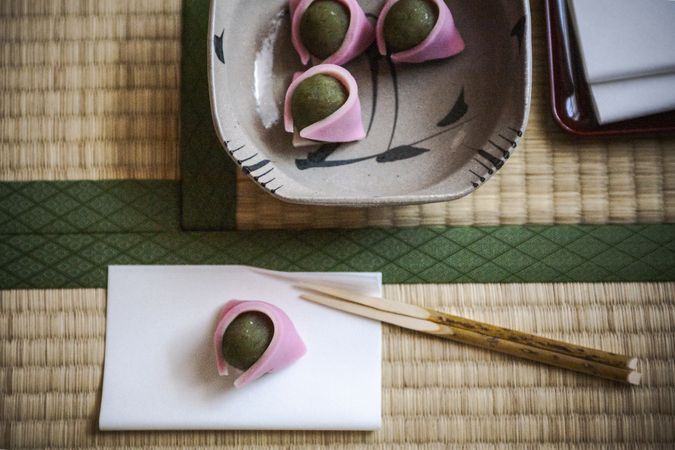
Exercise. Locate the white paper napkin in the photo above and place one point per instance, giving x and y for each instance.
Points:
(634, 97)
(622, 39)
(160, 372)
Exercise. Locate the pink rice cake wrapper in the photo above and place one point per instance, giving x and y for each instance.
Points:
(284, 349)
(360, 33)
(443, 41)
(292, 4)
(345, 124)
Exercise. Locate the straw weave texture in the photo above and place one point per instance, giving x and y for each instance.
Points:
(435, 393)
(89, 89)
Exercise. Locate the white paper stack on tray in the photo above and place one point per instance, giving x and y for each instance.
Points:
(628, 54)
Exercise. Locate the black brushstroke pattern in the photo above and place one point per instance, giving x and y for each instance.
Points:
(489, 169)
(374, 63)
(438, 133)
(256, 166)
(265, 183)
(504, 151)
(399, 153)
(257, 177)
(458, 110)
(513, 143)
(218, 46)
(392, 155)
(518, 31)
(322, 152)
(498, 163)
(394, 79)
(480, 177)
(241, 161)
(304, 164)
(317, 158)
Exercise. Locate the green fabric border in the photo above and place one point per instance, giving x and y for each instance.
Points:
(416, 255)
(209, 177)
(111, 206)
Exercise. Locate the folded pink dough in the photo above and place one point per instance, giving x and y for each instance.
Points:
(292, 4)
(345, 124)
(360, 33)
(285, 348)
(443, 41)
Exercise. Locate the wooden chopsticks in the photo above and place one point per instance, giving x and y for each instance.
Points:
(561, 354)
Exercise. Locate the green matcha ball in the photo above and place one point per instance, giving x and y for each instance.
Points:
(408, 23)
(246, 338)
(316, 98)
(323, 27)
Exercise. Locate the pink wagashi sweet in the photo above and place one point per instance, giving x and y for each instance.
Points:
(443, 40)
(284, 349)
(360, 33)
(345, 124)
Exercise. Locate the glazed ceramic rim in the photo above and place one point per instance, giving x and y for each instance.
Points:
(234, 139)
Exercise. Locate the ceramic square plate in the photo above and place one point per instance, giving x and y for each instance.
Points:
(436, 131)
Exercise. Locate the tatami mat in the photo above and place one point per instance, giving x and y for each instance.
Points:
(89, 89)
(435, 392)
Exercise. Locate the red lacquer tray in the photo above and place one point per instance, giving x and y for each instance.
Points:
(570, 98)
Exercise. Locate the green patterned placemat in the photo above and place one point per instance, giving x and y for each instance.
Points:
(208, 176)
(65, 233)
(435, 255)
(112, 206)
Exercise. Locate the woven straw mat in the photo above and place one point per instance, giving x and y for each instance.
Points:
(435, 393)
(89, 89)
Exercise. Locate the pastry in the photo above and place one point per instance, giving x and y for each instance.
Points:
(414, 31)
(322, 105)
(329, 31)
(255, 338)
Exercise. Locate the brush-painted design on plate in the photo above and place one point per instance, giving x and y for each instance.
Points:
(435, 131)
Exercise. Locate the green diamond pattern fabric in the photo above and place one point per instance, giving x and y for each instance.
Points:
(88, 206)
(418, 255)
(208, 176)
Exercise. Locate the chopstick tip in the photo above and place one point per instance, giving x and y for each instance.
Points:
(634, 378)
(632, 363)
